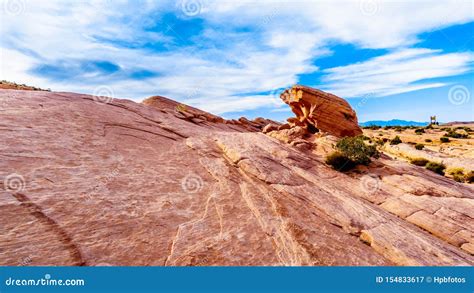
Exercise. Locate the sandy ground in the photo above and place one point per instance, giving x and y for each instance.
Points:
(457, 153)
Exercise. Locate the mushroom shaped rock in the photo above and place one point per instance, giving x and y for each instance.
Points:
(317, 110)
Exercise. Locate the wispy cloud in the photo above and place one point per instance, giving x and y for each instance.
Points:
(396, 72)
(222, 55)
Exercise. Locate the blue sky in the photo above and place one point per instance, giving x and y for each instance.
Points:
(389, 59)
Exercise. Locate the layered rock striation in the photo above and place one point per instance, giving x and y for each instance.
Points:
(124, 183)
(317, 110)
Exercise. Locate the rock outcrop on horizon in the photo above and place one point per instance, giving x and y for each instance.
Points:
(203, 118)
(317, 110)
(87, 182)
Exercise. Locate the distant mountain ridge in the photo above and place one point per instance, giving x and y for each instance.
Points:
(457, 123)
(393, 122)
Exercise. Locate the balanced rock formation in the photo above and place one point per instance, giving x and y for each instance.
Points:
(317, 110)
(124, 183)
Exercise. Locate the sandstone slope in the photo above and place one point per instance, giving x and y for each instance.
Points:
(159, 183)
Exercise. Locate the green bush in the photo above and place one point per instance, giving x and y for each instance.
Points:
(469, 177)
(396, 140)
(419, 131)
(351, 151)
(452, 133)
(339, 161)
(419, 161)
(436, 167)
(357, 150)
(428, 140)
(444, 139)
(419, 146)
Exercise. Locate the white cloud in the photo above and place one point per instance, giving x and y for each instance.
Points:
(389, 24)
(262, 46)
(234, 104)
(396, 72)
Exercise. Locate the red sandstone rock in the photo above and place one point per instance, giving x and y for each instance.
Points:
(315, 109)
(269, 127)
(124, 183)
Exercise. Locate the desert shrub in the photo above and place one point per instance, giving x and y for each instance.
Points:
(357, 150)
(419, 161)
(396, 140)
(339, 161)
(429, 126)
(436, 167)
(455, 170)
(380, 134)
(428, 140)
(465, 128)
(384, 139)
(454, 134)
(469, 177)
(380, 142)
(419, 146)
(444, 139)
(373, 127)
(457, 173)
(365, 137)
(419, 131)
